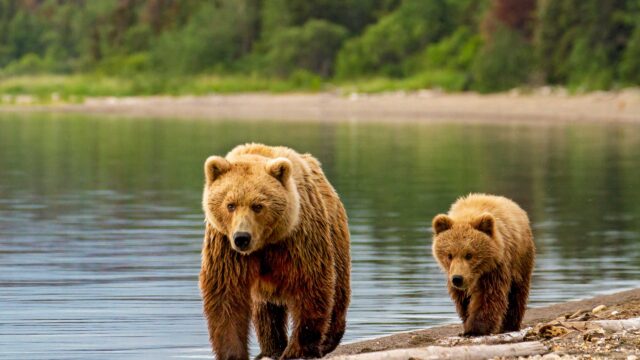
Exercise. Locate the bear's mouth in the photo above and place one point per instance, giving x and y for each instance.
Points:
(460, 287)
(242, 251)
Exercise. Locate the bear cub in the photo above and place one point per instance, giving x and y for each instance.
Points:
(485, 246)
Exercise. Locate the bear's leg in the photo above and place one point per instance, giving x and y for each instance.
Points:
(462, 302)
(342, 296)
(227, 303)
(270, 322)
(311, 316)
(228, 321)
(488, 305)
(338, 319)
(517, 305)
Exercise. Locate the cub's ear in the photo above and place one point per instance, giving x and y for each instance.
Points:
(485, 223)
(280, 168)
(214, 167)
(441, 223)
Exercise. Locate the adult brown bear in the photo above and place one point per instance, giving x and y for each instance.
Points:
(276, 244)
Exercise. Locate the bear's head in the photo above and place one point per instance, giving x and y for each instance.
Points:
(253, 200)
(466, 249)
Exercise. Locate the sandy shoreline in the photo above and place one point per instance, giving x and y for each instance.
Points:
(539, 106)
(430, 336)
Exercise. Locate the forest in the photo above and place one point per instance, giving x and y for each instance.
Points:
(454, 45)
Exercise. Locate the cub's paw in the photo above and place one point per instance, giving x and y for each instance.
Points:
(476, 332)
(478, 328)
(470, 334)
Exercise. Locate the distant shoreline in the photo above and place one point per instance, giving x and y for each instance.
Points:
(420, 106)
(430, 336)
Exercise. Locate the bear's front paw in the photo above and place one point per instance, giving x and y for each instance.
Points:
(477, 331)
(477, 328)
(297, 353)
(471, 333)
(262, 356)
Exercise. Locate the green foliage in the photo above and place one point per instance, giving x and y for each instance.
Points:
(76, 87)
(379, 45)
(383, 46)
(210, 38)
(352, 14)
(589, 66)
(275, 16)
(23, 37)
(630, 65)
(126, 65)
(503, 63)
(311, 47)
(454, 52)
(447, 63)
(28, 64)
(554, 37)
(468, 13)
(449, 80)
(578, 42)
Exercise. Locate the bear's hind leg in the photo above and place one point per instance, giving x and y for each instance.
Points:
(342, 294)
(270, 322)
(518, 295)
(338, 320)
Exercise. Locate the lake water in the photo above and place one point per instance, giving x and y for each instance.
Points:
(101, 226)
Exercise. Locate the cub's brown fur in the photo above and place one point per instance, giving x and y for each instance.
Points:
(276, 245)
(486, 248)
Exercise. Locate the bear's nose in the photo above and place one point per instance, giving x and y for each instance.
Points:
(457, 280)
(242, 240)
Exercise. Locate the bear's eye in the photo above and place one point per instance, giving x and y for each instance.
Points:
(231, 207)
(450, 256)
(256, 208)
(468, 256)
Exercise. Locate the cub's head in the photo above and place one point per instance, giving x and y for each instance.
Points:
(466, 249)
(253, 200)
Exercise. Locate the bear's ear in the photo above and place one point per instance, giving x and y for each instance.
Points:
(214, 167)
(441, 223)
(280, 168)
(485, 223)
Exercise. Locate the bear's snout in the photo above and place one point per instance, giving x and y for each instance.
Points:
(242, 240)
(457, 280)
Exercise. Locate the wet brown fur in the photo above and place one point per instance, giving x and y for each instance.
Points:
(298, 266)
(491, 246)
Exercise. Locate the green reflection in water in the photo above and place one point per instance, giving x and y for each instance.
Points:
(580, 183)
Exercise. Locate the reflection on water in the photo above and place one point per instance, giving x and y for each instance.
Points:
(100, 224)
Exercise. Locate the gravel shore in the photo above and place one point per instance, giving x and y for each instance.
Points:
(561, 328)
(540, 106)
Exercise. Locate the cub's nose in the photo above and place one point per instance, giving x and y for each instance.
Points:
(457, 280)
(242, 240)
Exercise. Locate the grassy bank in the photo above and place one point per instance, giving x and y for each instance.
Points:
(74, 88)
(51, 89)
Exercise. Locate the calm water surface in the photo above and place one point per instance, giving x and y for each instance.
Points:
(101, 226)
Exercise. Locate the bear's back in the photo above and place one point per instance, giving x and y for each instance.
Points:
(301, 164)
(512, 223)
